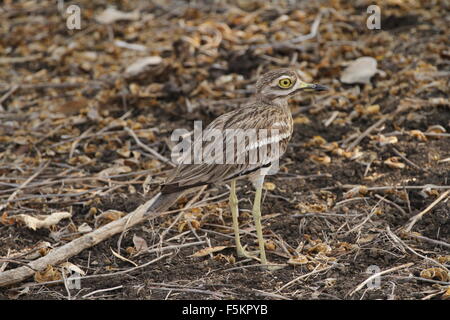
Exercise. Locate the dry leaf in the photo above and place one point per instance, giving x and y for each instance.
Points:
(436, 129)
(301, 120)
(142, 64)
(320, 159)
(269, 186)
(320, 248)
(342, 153)
(49, 274)
(360, 71)
(113, 171)
(444, 259)
(72, 106)
(123, 258)
(231, 259)
(436, 274)
(394, 162)
(6, 220)
(373, 177)
(366, 238)
(373, 109)
(139, 243)
(298, 260)
(111, 15)
(109, 215)
(419, 135)
(270, 245)
(386, 140)
(72, 268)
(207, 251)
(316, 141)
(42, 221)
(84, 228)
(446, 295)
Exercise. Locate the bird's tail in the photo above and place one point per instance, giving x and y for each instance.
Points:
(163, 201)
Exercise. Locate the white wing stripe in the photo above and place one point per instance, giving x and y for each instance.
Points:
(267, 141)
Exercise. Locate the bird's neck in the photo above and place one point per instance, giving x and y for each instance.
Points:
(281, 102)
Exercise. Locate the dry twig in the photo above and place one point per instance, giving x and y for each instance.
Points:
(379, 274)
(418, 216)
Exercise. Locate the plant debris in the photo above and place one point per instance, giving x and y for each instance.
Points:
(86, 117)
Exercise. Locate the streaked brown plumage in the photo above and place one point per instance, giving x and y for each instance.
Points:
(257, 115)
(268, 110)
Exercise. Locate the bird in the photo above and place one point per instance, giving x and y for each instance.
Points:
(268, 117)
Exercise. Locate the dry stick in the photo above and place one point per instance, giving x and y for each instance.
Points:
(181, 215)
(379, 274)
(428, 297)
(146, 148)
(57, 195)
(75, 143)
(101, 290)
(74, 247)
(96, 135)
(367, 132)
(404, 246)
(9, 93)
(64, 85)
(5, 264)
(359, 226)
(95, 276)
(174, 247)
(82, 179)
(431, 186)
(431, 206)
(290, 43)
(331, 119)
(14, 194)
(374, 126)
(270, 295)
(66, 285)
(391, 203)
(213, 293)
(412, 164)
(436, 242)
(305, 276)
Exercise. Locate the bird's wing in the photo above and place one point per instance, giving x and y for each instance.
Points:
(235, 144)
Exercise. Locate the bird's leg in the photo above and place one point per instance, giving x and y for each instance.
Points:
(257, 217)
(235, 213)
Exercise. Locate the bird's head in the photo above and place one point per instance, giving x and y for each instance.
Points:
(282, 84)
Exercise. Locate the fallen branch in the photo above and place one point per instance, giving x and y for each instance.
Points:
(74, 247)
(96, 276)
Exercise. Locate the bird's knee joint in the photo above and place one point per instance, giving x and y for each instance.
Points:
(233, 200)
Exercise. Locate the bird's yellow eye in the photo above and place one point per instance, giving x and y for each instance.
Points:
(285, 83)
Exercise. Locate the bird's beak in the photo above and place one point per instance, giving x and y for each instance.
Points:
(312, 87)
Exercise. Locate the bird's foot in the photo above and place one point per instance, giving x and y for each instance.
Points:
(272, 266)
(242, 253)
